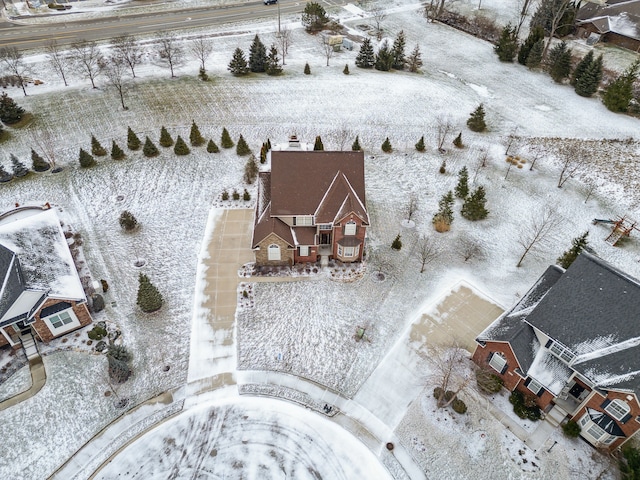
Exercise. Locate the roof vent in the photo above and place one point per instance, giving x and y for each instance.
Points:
(294, 143)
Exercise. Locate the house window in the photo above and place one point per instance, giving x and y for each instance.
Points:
(534, 386)
(273, 252)
(325, 226)
(348, 251)
(303, 221)
(498, 362)
(62, 321)
(584, 420)
(350, 228)
(561, 352)
(595, 432)
(303, 251)
(618, 409)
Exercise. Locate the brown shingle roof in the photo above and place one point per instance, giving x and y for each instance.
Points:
(266, 224)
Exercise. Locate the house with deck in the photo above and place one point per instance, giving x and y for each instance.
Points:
(573, 343)
(41, 294)
(311, 207)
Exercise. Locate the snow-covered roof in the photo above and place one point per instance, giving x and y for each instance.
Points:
(42, 250)
(550, 371)
(622, 18)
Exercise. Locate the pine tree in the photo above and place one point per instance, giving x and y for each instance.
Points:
(399, 43)
(263, 153)
(118, 359)
(318, 144)
(476, 121)
(415, 59)
(420, 145)
(238, 65)
(474, 205)
(251, 170)
(149, 298)
(19, 169)
(365, 57)
(578, 244)
(127, 221)
(10, 111)
(581, 67)
(307, 69)
(38, 163)
(133, 142)
(386, 146)
(96, 148)
(559, 63)
(116, 152)
(462, 188)
(202, 75)
(444, 216)
(507, 45)
(4, 175)
(345, 70)
(397, 243)
(149, 149)
(619, 93)
(225, 140)
(165, 138)
(355, 146)
(534, 59)
(257, 56)
(242, 148)
(384, 58)
(314, 16)
(457, 142)
(86, 159)
(273, 62)
(195, 137)
(181, 147)
(212, 147)
(535, 35)
(589, 81)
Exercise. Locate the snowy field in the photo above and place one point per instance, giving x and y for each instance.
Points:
(315, 327)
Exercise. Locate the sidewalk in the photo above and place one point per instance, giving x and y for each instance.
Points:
(38, 379)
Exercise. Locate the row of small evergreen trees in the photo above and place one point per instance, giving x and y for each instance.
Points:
(473, 207)
(389, 57)
(259, 61)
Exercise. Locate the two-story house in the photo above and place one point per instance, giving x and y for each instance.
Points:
(573, 342)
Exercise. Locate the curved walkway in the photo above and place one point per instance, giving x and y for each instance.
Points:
(38, 379)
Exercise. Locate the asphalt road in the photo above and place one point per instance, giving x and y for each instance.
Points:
(66, 30)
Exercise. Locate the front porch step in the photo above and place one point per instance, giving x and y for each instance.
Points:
(556, 415)
(29, 345)
(324, 261)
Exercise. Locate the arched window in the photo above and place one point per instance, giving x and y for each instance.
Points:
(273, 252)
(350, 228)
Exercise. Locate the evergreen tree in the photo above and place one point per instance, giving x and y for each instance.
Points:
(116, 152)
(242, 148)
(345, 70)
(618, 94)
(589, 81)
(4, 175)
(251, 170)
(535, 35)
(257, 56)
(462, 188)
(165, 138)
(355, 146)
(578, 244)
(86, 159)
(212, 147)
(399, 59)
(263, 153)
(246, 196)
(474, 205)
(38, 163)
(444, 215)
(19, 169)
(149, 149)
(559, 63)
(149, 298)
(118, 359)
(307, 69)
(202, 75)
(507, 45)
(133, 142)
(238, 65)
(365, 57)
(10, 111)
(397, 243)
(268, 144)
(386, 146)
(318, 144)
(96, 148)
(272, 65)
(457, 142)
(225, 140)
(314, 16)
(550, 9)
(195, 137)
(476, 121)
(384, 58)
(415, 59)
(582, 67)
(127, 221)
(181, 147)
(534, 59)
(420, 145)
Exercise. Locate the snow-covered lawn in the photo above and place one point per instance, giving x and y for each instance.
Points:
(312, 323)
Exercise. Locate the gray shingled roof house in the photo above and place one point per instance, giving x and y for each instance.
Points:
(573, 342)
(311, 206)
(615, 21)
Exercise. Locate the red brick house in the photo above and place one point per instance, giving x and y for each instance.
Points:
(311, 206)
(573, 341)
(41, 293)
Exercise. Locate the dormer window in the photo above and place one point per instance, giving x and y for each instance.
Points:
(350, 228)
(618, 409)
(306, 221)
(560, 351)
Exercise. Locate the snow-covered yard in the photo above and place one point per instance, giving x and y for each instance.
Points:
(311, 323)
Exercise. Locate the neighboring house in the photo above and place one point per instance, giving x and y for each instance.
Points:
(311, 206)
(40, 291)
(616, 22)
(573, 341)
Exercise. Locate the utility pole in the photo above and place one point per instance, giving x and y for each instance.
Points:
(278, 18)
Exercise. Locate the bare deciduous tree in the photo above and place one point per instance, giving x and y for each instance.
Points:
(343, 135)
(201, 48)
(378, 14)
(284, 41)
(524, 7)
(573, 158)
(450, 371)
(129, 50)
(470, 248)
(589, 188)
(535, 233)
(443, 128)
(326, 47)
(12, 62)
(510, 140)
(428, 251)
(170, 52)
(88, 60)
(45, 142)
(412, 206)
(435, 8)
(58, 61)
(116, 71)
(557, 9)
(482, 162)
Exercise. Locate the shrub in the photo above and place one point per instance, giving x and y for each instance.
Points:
(488, 381)
(212, 147)
(630, 464)
(458, 141)
(149, 149)
(459, 406)
(386, 146)
(133, 142)
(119, 358)
(149, 298)
(127, 221)
(437, 392)
(105, 285)
(397, 243)
(38, 163)
(225, 195)
(225, 139)
(420, 145)
(525, 406)
(181, 147)
(195, 137)
(346, 69)
(235, 195)
(571, 429)
(86, 159)
(165, 138)
(116, 151)
(97, 333)
(96, 148)
(246, 196)
(307, 69)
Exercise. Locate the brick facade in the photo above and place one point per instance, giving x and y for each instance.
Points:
(339, 236)
(286, 254)
(40, 327)
(482, 355)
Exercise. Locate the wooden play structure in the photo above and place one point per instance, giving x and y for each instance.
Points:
(622, 227)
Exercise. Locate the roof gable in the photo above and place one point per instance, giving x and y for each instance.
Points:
(266, 225)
